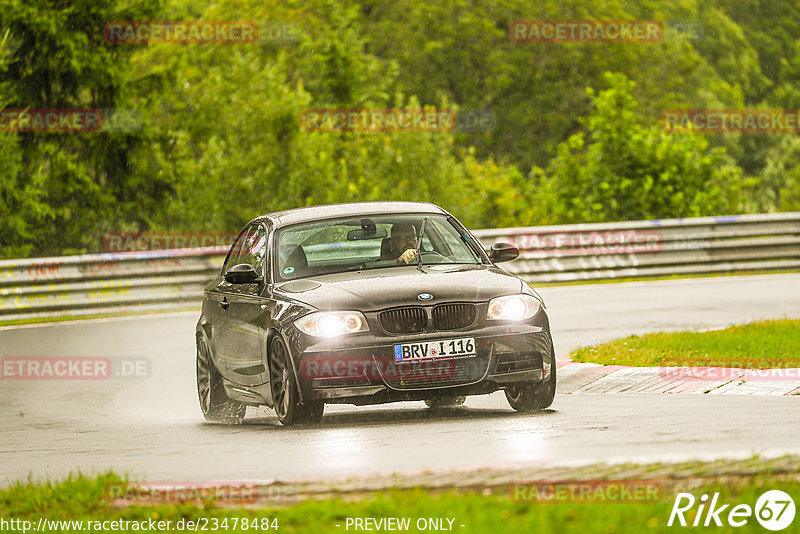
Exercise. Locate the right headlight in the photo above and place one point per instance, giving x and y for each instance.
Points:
(513, 308)
(332, 323)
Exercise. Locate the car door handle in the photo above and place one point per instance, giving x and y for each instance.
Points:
(224, 303)
(263, 306)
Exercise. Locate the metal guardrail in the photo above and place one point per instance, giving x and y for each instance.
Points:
(174, 279)
(630, 249)
(106, 283)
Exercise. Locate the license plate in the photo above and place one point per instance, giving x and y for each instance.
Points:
(446, 348)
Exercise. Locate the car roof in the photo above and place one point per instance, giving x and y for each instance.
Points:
(313, 213)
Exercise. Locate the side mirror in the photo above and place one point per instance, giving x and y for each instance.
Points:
(242, 274)
(503, 252)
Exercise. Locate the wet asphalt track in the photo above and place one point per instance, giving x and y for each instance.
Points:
(153, 430)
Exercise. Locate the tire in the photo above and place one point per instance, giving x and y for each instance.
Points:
(312, 412)
(285, 397)
(440, 403)
(216, 406)
(530, 396)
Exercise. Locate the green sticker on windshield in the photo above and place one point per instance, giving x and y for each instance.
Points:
(288, 270)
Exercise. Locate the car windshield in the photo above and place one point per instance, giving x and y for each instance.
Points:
(369, 242)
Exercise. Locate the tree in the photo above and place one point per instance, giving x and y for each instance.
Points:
(622, 170)
(780, 181)
(21, 208)
(85, 183)
(234, 147)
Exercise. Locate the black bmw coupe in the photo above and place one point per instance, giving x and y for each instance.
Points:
(367, 303)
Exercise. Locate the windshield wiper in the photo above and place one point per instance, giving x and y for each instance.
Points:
(419, 243)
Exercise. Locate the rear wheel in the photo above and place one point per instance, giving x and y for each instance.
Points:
(530, 396)
(440, 403)
(217, 407)
(285, 396)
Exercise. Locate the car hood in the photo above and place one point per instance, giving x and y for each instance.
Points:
(400, 286)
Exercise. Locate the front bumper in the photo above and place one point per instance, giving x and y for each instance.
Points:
(360, 369)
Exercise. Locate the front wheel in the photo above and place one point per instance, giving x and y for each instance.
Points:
(217, 407)
(285, 397)
(530, 396)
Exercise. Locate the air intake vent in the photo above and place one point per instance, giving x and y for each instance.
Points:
(512, 362)
(453, 316)
(403, 320)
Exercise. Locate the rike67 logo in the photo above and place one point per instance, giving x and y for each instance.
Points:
(774, 510)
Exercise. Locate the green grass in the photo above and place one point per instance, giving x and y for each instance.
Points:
(759, 345)
(479, 510)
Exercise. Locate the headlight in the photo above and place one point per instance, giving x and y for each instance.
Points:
(513, 308)
(332, 324)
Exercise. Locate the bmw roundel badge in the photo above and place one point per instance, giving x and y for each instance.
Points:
(424, 296)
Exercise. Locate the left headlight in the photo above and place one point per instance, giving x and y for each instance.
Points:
(513, 308)
(332, 324)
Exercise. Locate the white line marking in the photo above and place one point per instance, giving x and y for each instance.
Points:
(153, 315)
(675, 281)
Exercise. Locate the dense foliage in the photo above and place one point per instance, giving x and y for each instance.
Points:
(218, 136)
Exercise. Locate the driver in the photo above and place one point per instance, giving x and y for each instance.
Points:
(400, 246)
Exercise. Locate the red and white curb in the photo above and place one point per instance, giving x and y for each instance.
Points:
(575, 377)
